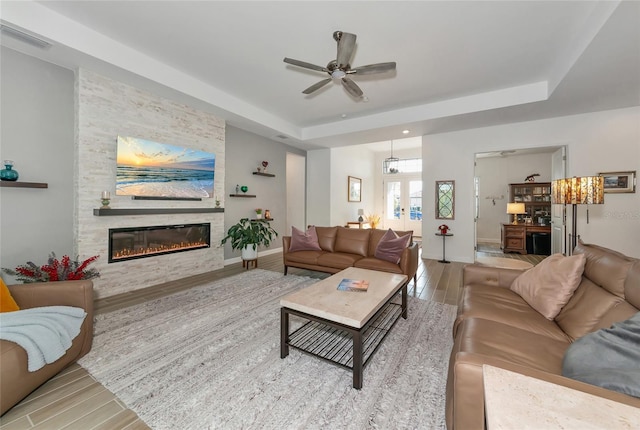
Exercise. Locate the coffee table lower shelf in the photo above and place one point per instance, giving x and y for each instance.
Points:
(334, 342)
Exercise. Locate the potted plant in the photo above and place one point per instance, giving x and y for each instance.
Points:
(248, 234)
(258, 213)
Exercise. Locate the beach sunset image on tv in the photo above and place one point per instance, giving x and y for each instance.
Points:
(146, 168)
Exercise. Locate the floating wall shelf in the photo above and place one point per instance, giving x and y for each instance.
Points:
(11, 184)
(154, 211)
(243, 195)
(270, 175)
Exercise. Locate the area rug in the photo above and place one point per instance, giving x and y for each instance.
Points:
(209, 358)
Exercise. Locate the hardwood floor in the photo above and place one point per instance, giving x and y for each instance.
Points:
(74, 400)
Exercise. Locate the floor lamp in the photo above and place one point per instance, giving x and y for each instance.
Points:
(586, 190)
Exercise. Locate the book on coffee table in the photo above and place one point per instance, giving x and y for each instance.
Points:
(353, 285)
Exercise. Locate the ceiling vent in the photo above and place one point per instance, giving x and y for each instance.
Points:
(24, 37)
(281, 136)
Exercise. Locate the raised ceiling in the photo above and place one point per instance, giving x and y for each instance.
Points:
(459, 64)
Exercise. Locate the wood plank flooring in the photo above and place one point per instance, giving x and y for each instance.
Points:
(74, 400)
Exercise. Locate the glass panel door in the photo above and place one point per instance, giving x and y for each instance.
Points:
(403, 204)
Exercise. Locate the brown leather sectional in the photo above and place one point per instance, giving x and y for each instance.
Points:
(16, 382)
(495, 326)
(347, 247)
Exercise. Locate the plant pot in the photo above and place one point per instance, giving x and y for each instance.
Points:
(258, 216)
(248, 253)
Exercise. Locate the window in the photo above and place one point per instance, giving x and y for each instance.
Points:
(406, 165)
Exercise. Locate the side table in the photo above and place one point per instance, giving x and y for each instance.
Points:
(444, 236)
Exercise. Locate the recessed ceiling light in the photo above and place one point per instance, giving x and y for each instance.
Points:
(344, 115)
(365, 99)
(405, 131)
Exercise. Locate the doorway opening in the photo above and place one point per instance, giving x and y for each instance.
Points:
(494, 172)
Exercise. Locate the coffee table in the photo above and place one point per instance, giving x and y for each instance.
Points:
(344, 327)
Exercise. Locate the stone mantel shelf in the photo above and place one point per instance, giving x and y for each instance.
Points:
(154, 211)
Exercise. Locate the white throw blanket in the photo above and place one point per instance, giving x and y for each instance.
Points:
(45, 333)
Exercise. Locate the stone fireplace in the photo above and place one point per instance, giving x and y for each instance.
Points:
(105, 109)
(142, 242)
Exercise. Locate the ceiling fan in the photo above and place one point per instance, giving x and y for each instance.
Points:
(340, 67)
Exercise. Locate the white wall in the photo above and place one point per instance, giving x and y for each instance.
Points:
(345, 162)
(37, 134)
(319, 187)
(494, 176)
(596, 142)
(244, 152)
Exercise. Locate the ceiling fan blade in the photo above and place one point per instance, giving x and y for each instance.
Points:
(316, 87)
(305, 65)
(374, 68)
(351, 87)
(346, 45)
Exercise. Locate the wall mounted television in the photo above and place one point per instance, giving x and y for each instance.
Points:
(153, 170)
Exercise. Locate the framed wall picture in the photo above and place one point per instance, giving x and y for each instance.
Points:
(445, 199)
(354, 189)
(619, 182)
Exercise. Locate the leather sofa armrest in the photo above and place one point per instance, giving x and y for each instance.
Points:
(409, 261)
(499, 277)
(286, 244)
(62, 293)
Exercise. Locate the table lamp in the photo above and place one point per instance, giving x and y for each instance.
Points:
(515, 209)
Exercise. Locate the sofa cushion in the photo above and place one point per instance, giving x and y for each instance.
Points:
(586, 310)
(607, 358)
(327, 238)
(304, 240)
(7, 304)
(391, 246)
(352, 241)
(304, 257)
(373, 263)
(548, 286)
(504, 306)
(605, 267)
(511, 344)
(338, 260)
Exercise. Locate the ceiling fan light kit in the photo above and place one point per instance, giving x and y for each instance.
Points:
(340, 68)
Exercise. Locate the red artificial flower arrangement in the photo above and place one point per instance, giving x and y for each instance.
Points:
(443, 229)
(54, 270)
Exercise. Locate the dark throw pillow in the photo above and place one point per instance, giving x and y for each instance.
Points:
(304, 240)
(607, 358)
(391, 246)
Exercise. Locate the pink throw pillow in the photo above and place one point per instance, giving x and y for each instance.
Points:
(548, 286)
(304, 240)
(391, 246)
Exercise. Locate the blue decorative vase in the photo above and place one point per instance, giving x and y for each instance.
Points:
(8, 174)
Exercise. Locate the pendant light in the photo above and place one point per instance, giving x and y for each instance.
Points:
(391, 163)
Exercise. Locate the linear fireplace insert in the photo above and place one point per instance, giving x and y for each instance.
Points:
(141, 242)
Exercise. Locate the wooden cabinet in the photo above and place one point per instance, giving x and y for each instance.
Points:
(536, 197)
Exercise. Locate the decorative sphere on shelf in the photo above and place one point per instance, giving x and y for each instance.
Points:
(244, 188)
